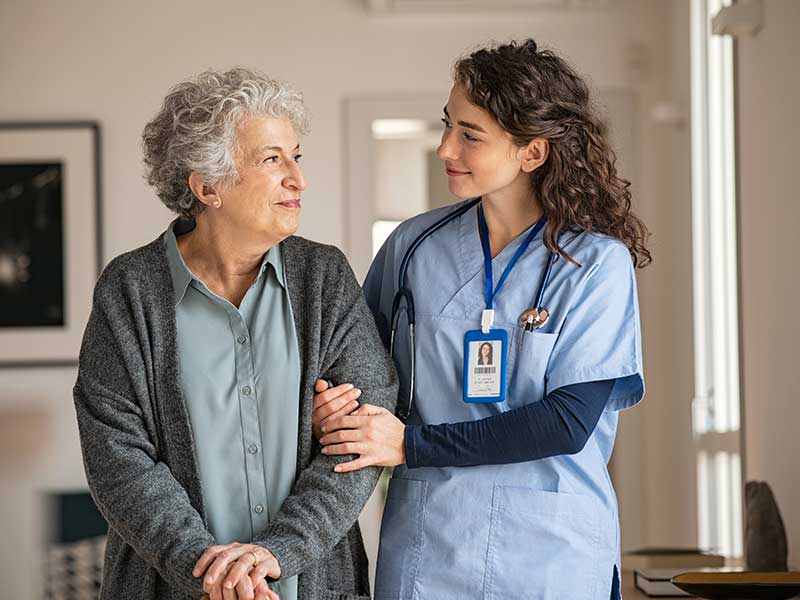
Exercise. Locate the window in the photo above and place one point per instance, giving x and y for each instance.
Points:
(380, 231)
(716, 405)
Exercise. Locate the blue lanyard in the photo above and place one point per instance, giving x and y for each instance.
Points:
(489, 293)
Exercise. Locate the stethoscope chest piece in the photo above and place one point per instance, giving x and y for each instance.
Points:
(533, 318)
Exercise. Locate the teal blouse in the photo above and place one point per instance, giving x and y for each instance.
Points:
(240, 376)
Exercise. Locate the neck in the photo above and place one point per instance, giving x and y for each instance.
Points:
(507, 216)
(221, 256)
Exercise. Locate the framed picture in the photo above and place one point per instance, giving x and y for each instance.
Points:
(50, 241)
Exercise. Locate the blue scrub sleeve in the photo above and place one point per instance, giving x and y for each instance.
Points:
(559, 424)
(378, 289)
(601, 336)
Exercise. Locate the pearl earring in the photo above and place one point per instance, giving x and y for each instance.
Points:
(218, 203)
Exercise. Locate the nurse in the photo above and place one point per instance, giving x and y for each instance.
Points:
(500, 487)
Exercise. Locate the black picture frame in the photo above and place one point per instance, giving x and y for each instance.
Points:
(76, 147)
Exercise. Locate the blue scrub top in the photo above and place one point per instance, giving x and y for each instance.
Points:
(541, 529)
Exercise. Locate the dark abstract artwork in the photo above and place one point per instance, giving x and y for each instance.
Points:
(31, 245)
(50, 239)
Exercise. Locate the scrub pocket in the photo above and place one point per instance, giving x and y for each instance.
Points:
(401, 539)
(542, 545)
(528, 362)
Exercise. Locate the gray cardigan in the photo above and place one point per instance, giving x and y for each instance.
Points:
(137, 441)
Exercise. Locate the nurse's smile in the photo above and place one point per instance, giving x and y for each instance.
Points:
(454, 172)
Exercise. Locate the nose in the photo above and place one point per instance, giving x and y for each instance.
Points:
(294, 179)
(447, 149)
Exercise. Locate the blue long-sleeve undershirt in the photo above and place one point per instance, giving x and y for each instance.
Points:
(560, 424)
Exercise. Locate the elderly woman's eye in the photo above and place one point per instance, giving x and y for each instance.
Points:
(297, 157)
(271, 159)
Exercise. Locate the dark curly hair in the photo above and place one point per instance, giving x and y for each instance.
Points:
(534, 93)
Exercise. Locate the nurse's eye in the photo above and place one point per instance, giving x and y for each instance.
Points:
(469, 138)
(447, 124)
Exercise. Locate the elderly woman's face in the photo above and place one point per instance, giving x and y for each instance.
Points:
(266, 199)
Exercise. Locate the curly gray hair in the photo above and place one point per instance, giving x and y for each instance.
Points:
(195, 130)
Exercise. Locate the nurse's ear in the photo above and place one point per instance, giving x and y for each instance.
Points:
(533, 155)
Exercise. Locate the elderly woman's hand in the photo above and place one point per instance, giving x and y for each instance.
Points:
(237, 571)
(260, 592)
(330, 403)
(372, 432)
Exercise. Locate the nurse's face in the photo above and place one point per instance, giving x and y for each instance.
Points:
(480, 157)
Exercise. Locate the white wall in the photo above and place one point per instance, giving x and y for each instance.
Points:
(113, 61)
(401, 188)
(768, 96)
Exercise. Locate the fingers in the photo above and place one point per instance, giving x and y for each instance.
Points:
(216, 593)
(321, 385)
(354, 465)
(206, 559)
(341, 423)
(370, 410)
(326, 396)
(347, 409)
(342, 435)
(244, 589)
(228, 594)
(267, 567)
(222, 561)
(261, 591)
(346, 448)
(239, 570)
(346, 402)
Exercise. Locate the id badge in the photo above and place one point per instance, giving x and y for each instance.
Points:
(485, 357)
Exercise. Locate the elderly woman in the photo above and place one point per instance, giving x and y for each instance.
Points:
(195, 384)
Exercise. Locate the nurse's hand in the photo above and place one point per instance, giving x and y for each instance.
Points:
(331, 403)
(372, 432)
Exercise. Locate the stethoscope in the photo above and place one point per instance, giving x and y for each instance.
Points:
(530, 319)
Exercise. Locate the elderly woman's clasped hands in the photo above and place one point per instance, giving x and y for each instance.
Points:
(237, 572)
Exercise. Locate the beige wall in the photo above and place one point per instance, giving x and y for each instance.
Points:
(113, 61)
(768, 97)
(401, 191)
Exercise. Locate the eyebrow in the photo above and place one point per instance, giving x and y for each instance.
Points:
(276, 148)
(466, 124)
